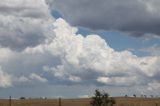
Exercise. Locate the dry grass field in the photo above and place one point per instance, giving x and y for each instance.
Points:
(120, 101)
(137, 101)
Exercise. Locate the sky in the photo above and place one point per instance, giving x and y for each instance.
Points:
(69, 48)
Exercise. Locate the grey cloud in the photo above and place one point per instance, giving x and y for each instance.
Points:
(137, 18)
(23, 12)
(24, 23)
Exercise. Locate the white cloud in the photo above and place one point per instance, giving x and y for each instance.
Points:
(32, 79)
(90, 60)
(5, 54)
(74, 78)
(23, 79)
(119, 81)
(5, 79)
(38, 78)
(83, 96)
(153, 50)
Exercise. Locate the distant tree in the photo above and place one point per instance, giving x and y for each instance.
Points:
(145, 96)
(151, 96)
(102, 99)
(142, 96)
(126, 96)
(22, 98)
(134, 95)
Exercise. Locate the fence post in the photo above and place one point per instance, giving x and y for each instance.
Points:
(59, 101)
(156, 104)
(10, 101)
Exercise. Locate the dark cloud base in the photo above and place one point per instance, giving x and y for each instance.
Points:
(137, 18)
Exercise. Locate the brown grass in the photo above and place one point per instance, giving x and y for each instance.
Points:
(137, 101)
(120, 101)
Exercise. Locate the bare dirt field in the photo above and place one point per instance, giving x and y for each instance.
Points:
(120, 101)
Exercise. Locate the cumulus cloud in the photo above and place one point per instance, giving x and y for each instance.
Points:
(36, 77)
(11, 80)
(24, 23)
(5, 79)
(29, 80)
(63, 57)
(6, 54)
(137, 18)
(67, 58)
(90, 60)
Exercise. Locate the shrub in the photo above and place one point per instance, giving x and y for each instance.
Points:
(102, 99)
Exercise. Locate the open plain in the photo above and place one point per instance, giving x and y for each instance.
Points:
(120, 101)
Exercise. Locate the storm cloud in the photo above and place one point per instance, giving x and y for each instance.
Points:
(134, 17)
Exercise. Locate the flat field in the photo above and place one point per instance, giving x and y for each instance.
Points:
(120, 101)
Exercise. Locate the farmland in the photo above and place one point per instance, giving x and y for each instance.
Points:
(120, 101)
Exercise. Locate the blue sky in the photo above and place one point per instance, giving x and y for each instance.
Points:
(69, 48)
(121, 41)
